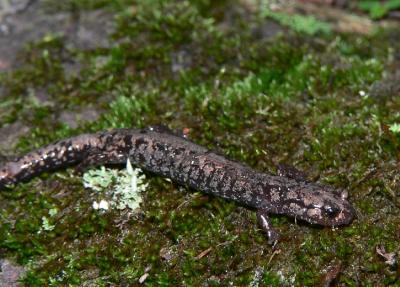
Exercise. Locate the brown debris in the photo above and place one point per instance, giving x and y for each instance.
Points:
(332, 273)
(203, 253)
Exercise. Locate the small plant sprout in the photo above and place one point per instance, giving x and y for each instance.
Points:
(126, 186)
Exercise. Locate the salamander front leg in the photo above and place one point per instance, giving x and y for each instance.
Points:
(264, 222)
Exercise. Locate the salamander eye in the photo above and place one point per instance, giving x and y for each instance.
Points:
(331, 211)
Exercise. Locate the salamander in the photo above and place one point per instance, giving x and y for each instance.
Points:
(162, 152)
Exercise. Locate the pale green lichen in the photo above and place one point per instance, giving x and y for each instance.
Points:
(99, 179)
(53, 211)
(126, 186)
(46, 226)
(103, 205)
(395, 128)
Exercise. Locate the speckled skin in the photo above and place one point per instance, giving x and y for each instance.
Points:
(158, 150)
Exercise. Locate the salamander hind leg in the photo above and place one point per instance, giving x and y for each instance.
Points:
(265, 224)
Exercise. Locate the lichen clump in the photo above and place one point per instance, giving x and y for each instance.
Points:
(124, 186)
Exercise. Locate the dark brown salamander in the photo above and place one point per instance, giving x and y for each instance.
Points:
(158, 150)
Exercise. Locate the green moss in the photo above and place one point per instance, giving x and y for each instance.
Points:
(378, 9)
(300, 23)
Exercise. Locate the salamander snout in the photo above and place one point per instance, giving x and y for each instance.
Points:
(323, 207)
(329, 213)
(337, 214)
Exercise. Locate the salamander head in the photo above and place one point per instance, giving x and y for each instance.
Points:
(334, 211)
(317, 204)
